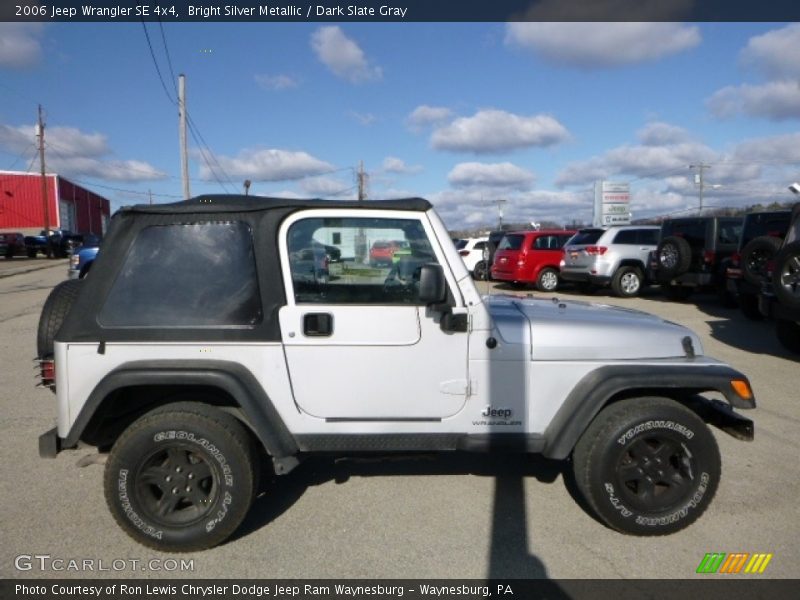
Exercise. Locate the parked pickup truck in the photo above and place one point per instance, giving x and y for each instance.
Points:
(59, 243)
(196, 355)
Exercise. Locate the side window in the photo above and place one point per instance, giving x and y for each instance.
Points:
(625, 236)
(648, 237)
(480, 246)
(186, 275)
(380, 263)
(729, 232)
(549, 242)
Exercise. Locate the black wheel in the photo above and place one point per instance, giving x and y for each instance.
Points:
(748, 304)
(647, 466)
(181, 477)
(627, 282)
(788, 333)
(547, 281)
(53, 314)
(676, 293)
(480, 272)
(786, 276)
(755, 256)
(674, 256)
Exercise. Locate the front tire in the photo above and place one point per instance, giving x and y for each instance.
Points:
(647, 466)
(480, 272)
(181, 477)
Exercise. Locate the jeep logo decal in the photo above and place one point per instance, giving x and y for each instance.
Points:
(496, 412)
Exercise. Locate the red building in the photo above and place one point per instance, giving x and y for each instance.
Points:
(71, 206)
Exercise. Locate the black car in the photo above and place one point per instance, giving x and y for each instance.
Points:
(747, 269)
(780, 293)
(692, 253)
(12, 244)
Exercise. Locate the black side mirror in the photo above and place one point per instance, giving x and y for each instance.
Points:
(432, 287)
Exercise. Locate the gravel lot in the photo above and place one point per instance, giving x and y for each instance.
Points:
(423, 517)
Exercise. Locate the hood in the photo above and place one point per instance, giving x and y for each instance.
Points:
(574, 330)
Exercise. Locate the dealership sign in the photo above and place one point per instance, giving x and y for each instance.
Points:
(611, 204)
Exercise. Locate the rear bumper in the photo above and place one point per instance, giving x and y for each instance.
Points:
(584, 277)
(49, 444)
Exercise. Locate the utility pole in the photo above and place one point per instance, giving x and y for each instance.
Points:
(499, 203)
(182, 133)
(46, 205)
(699, 181)
(150, 193)
(362, 182)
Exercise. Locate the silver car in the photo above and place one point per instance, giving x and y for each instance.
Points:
(616, 256)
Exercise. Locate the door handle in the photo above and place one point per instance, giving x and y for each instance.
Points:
(318, 324)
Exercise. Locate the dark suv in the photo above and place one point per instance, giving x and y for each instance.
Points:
(691, 254)
(746, 271)
(780, 294)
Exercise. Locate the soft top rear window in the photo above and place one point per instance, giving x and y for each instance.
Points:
(186, 276)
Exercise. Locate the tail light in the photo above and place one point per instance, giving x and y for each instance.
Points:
(463, 252)
(596, 250)
(709, 256)
(47, 373)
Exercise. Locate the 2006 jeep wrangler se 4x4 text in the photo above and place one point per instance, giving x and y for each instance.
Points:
(206, 344)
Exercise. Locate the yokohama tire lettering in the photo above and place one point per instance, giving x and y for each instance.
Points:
(122, 488)
(650, 425)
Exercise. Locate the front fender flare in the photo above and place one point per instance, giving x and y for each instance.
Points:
(592, 393)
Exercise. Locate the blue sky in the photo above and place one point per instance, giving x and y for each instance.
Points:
(462, 114)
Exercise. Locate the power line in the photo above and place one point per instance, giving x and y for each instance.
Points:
(16, 160)
(155, 63)
(166, 51)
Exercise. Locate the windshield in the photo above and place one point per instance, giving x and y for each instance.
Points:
(585, 236)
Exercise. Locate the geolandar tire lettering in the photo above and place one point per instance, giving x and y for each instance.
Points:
(181, 478)
(647, 466)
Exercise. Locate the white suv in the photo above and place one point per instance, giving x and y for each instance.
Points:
(472, 254)
(616, 256)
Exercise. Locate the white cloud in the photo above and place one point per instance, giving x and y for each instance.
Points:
(497, 175)
(424, 116)
(779, 149)
(20, 45)
(342, 55)
(597, 45)
(269, 165)
(661, 134)
(71, 152)
(392, 164)
(325, 186)
(775, 53)
(775, 100)
(498, 131)
(365, 119)
(277, 82)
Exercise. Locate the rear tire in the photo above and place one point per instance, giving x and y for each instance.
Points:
(755, 256)
(647, 466)
(181, 478)
(480, 272)
(627, 282)
(674, 256)
(54, 312)
(547, 281)
(786, 277)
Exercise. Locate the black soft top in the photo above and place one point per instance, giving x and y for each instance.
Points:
(262, 216)
(215, 203)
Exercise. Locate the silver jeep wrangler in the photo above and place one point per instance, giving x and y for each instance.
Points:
(199, 353)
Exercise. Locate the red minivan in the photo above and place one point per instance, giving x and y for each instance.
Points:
(530, 257)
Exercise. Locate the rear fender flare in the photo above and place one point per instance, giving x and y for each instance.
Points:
(233, 378)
